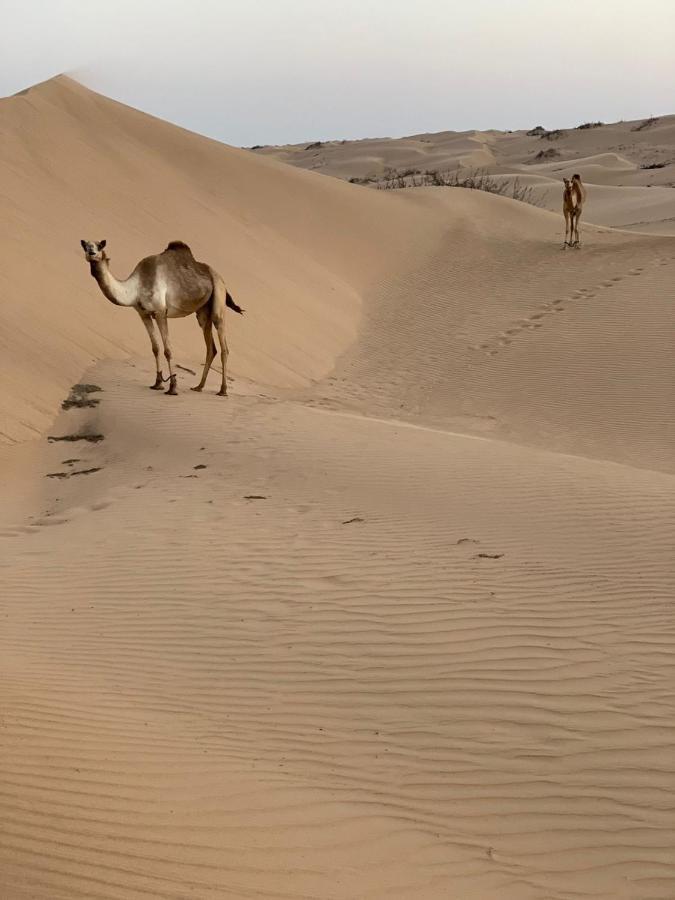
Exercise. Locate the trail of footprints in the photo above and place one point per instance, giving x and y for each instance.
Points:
(536, 320)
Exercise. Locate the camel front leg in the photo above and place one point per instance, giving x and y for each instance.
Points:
(163, 326)
(204, 319)
(567, 228)
(576, 230)
(154, 343)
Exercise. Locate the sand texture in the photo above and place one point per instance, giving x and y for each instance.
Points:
(395, 620)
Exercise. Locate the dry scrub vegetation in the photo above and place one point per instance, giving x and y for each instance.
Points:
(472, 179)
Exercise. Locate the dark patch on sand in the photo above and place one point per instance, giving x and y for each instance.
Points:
(90, 438)
(79, 396)
(73, 474)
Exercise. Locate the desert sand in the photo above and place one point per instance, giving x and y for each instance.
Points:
(393, 620)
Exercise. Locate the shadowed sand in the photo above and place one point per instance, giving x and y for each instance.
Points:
(394, 620)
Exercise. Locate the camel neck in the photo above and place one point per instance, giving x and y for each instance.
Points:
(110, 287)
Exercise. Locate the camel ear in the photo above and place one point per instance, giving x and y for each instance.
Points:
(101, 244)
(84, 245)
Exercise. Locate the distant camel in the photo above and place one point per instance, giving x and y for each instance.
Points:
(169, 285)
(574, 196)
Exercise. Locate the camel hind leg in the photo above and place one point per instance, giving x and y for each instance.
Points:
(218, 316)
(204, 319)
(219, 322)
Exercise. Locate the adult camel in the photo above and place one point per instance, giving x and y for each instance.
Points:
(170, 285)
(574, 197)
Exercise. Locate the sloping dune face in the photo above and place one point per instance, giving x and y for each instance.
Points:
(395, 619)
(293, 248)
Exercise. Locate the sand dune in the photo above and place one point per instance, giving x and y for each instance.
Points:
(395, 619)
(74, 163)
(627, 154)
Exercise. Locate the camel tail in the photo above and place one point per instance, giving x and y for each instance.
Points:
(230, 302)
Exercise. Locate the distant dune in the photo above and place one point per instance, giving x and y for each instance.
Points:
(639, 154)
(394, 620)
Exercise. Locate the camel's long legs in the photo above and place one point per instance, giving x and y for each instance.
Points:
(576, 227)
(204, 319)
(163, 326)
(567, 228)
(150, 327)
(219, 322)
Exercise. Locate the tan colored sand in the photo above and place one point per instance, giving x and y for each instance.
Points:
(395, 620)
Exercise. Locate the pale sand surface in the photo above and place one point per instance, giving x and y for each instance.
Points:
(395, 619)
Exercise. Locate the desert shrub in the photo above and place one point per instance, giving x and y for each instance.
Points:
(472, 179)
(552, 135)
(536, 131)
(587, 125)
(314, 146)
(646, 123)
(660, 165)
(549, 153)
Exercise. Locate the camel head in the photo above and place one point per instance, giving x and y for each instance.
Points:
(568, 184)
(93, 250)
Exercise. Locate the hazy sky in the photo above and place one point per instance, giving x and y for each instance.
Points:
(275, 71)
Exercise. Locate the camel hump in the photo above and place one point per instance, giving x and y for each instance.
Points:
(178, 245)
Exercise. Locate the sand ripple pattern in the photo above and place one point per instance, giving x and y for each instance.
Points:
(417, 665)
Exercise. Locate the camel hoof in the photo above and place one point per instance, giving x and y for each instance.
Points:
(172, 387)
(159, 383)
(222, 393)
(197, 387)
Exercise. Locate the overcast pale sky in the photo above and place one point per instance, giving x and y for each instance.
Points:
(276, 71)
